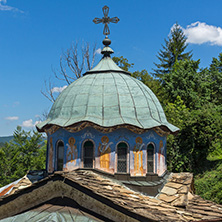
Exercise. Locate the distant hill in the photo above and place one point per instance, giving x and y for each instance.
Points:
(4, 139)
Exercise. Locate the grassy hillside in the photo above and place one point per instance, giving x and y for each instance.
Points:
(209, 183)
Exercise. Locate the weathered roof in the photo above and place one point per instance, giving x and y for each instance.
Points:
(26, 181)
(107, 96)
(106, 64)
(178, 189)
(113, 200)
(14, 186)
(54, 210)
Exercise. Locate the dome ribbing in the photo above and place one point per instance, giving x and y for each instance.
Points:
(107, 96)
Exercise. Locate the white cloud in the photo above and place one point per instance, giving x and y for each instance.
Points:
(58, 89)
(29, 123)
(4, 7)
(200, 33)
(12, 118)
(37, 122)
(98, 51)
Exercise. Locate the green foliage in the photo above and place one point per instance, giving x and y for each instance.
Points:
(216, 153)
(123, 63)
(209, 184)
(194, 86)
(20, 155)
(200, 134)
(176, 113)
(183, 81)
(215, 76)
(172, 52)
(195, 107)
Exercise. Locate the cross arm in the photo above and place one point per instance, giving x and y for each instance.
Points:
(97, 20)
(114, 20)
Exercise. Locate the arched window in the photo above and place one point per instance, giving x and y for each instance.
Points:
(150, 158)
(60, 155)
(122, 157)
(88, 150)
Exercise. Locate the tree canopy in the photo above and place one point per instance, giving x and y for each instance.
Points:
(215, 78)
(123, 63)
(26, 151)
(173, 51)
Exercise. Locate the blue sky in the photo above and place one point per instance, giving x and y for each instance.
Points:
(34, 34)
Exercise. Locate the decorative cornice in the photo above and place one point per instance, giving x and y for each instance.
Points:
(80, 126)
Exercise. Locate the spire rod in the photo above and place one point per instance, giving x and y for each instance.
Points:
(106, 20)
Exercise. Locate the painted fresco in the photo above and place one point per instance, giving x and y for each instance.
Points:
(105, 149)
(50, 156)
(104, 153)
(161, 166)
(138, 157)
(71, 155)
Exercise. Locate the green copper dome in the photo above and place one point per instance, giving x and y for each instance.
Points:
(107, 96)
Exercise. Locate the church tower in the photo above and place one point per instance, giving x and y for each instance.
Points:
(110, 122)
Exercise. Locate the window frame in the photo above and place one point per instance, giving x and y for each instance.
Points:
(83, 150)
(56, 162)
(153, 144)
(127, 158)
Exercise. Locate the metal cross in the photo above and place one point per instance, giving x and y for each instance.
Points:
(106, 20)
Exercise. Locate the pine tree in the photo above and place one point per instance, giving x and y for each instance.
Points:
(215, 73)
(173, 51)
(26, 151)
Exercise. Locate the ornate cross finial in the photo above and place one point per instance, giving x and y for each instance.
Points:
(106, 20)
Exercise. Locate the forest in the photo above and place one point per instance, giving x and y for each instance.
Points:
(191, 97)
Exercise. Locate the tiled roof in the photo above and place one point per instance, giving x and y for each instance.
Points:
(52, 211)
(176, 202)
(178, 189)
(178, 193)
(14, 186)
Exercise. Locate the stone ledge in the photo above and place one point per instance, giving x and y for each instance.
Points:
(176, 190)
